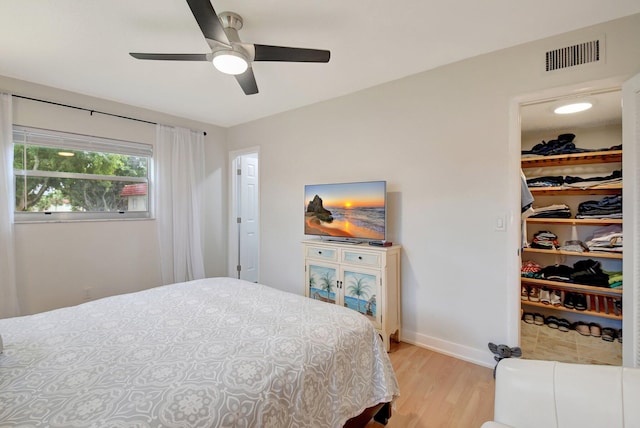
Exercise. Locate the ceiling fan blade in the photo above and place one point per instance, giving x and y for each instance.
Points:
(282, 53)
(247, 82)
(170, 57)
(208, 21)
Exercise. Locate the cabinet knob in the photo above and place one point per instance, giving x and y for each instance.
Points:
(359, 257)
(319, 252)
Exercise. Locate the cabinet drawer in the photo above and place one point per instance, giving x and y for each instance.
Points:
(358, 258)
(322, 253)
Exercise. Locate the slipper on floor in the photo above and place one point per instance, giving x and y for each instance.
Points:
(608, 334)
(538, 319)
(583, 328)
(564, 325)
(528, 318)
(552, 322)
(595, 330)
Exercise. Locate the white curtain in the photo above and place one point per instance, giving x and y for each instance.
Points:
(179, 176)
(8, 289)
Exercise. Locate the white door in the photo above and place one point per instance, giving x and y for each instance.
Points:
(248, 210)
(631, 207)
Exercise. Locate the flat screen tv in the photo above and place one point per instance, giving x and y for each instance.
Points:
(346, 211)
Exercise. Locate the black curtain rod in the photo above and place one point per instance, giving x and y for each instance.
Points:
(89, 110)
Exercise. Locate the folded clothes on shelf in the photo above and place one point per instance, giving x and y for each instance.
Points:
(607, 238)
(546, 181)
(552, 211)
(556, 272)
(589, 272)
(545, 240)
(575, 246)
(584, 272)
(585, 183)
(563, 145)
(615, 279)
(574, 182)
(530, 269)
(607, 207)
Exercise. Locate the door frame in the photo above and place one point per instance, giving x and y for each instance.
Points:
(514, 153)
(631, 211)
(232, 230)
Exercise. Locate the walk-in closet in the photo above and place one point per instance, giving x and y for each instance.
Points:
(572, 248)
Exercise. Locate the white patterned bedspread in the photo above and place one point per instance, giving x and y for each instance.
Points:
(218, 352)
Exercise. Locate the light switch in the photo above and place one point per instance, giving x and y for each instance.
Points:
(501, 224)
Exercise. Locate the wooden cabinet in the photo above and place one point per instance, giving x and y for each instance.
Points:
(602, 303)
(358, 276)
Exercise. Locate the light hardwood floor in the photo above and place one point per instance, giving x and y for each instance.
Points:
(439, 391)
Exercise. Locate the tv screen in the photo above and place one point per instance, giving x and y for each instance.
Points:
(346, 210)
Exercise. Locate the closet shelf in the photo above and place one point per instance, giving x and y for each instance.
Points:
(601, 302)
(608, 156)
(589, 254)
(570, 286)
(611, 315)
(603, 189)
(575, 221)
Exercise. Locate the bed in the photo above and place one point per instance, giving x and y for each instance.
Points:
(218, 352)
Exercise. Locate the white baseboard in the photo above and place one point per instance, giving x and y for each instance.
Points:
(481, 357)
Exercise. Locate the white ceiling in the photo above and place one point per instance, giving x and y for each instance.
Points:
(606, 110)
(83, 46)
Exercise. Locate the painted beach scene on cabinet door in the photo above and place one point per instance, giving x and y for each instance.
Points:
(359, 289)
(322, 283)
(360, 293)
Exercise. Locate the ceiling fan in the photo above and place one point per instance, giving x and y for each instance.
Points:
(228, 53)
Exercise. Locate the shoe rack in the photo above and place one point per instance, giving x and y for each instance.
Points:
(580, 304)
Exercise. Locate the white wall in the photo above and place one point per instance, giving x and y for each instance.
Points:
(442, 141)
(61, 264)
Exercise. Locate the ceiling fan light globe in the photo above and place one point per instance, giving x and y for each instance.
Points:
(230, 62)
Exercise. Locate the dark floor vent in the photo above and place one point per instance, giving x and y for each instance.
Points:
(570, 56)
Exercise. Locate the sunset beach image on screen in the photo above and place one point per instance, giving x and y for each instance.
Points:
(348, 210)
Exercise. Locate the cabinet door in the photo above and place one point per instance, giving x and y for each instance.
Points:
(321, 281)
(362, 291)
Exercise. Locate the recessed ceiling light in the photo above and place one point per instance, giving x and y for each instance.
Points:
(573, 108)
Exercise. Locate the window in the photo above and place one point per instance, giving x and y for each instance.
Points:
(62, 176)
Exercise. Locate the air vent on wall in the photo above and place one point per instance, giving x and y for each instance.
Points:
(582, 53)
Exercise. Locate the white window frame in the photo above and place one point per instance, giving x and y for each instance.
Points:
(65, 140)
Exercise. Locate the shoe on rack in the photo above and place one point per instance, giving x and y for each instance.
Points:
(580, 302)
(545, 296)
(528, 317)
(534, 294)
(617, 304)
(568, 300)
(556, 298)
(619, 335)
(524, 293)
